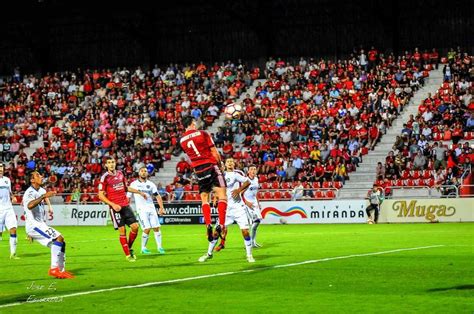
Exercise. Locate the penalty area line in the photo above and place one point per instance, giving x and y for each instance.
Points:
(158, 283)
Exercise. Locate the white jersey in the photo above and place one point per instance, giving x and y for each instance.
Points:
(38, 213)
(147, 187)
(5, 192)
(251, 193)
(234, 179)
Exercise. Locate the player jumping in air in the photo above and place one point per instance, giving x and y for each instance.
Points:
(205, 161)
(237, 211)
(7, 214)
(36, 228)
(113, 191)
(147, 214)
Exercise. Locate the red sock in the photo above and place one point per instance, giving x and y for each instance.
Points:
(221, 209)
(123, 241)
(131, 238)
(206, 212)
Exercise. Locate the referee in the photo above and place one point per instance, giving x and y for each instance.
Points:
(375, 197)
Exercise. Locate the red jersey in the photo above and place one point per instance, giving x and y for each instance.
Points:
(115, 187)
(197, 145)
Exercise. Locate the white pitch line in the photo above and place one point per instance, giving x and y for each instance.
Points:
(158, 283)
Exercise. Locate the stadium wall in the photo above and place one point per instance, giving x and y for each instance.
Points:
(297, 212)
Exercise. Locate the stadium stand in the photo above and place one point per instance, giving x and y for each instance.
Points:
(312, 121)
(134, 116)
(435, 147)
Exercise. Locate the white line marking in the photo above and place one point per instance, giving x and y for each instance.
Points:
(158, 283)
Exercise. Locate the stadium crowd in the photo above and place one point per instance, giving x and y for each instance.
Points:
(308, 126)
(433, 148)
(312, 121)
(132, 115)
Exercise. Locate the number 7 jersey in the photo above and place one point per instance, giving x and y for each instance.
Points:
(197, 145)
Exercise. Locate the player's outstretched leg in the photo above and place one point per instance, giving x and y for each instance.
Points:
(223, 236)
(145, 234)
(248, 245)
(254, 228)
(57, 259)
(210, 248)
(131, 238)
(124, 243)
(159, 246)
(221, 210)
(13, 243)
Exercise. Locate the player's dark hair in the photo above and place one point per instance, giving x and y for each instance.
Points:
(187, 121)
(252, 165)
(29, 176)
(108, 158)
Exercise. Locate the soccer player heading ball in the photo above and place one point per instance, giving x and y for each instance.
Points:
(205, 161)
(113, 191)
(36, 228)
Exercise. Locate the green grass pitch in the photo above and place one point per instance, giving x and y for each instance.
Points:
(429, 280)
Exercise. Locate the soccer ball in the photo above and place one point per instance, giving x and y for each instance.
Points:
(233, 111)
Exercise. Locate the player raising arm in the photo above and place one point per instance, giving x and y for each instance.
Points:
(205, 161)
(147, 215)
(113, 191)
(36, 228)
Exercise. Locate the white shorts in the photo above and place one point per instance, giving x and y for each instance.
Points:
(42, 233)
(239, 214)
(8, 219)
(256, 212)
(148, 218)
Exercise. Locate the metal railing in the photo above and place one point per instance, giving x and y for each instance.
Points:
(441, 191)
(194, 196)
(308, 194)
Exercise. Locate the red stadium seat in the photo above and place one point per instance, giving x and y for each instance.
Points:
(275, 185)
(286, 185)
(262, 178)
(277, 195)
(265, 185)
(195, 187)
(330, 194)
(430, 182)
(267, 195)
(327, 184)
(319, 194)
(316, 185)
(405, 174)
(287, 195)
(337, 184)
(415, 174)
